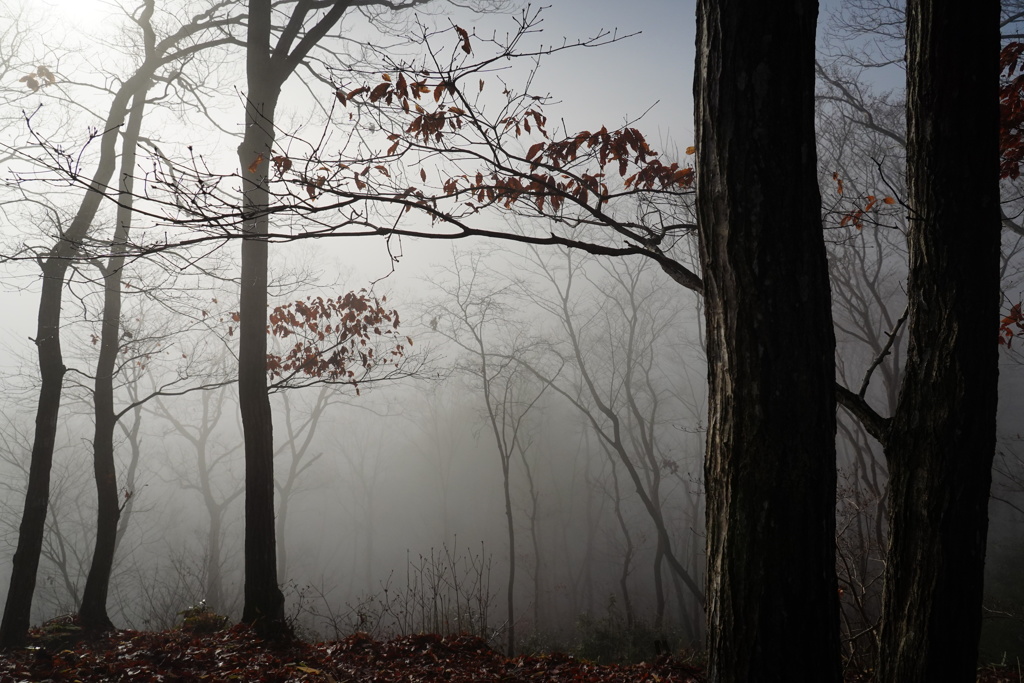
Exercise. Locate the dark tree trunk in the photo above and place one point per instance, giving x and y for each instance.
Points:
(18, 609)
(93, 610)
(772, 608)
(266, 72)
(941, 439)
(264, 601)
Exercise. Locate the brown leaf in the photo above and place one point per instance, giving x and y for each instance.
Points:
(254, 166)
(282, 164)
(379, 91)
(465, 39)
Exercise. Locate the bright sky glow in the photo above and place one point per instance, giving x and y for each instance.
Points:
(80, 13)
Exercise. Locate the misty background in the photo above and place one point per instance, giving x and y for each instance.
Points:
(563, 388)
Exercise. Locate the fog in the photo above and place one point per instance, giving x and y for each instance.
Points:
(547, 411)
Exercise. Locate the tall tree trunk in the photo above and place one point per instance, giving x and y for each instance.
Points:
(942, 436)
(18, 609)
(266, 72)
(264, 601)
(93, 610)
(772, 608)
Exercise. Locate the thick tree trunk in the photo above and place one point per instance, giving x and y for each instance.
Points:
(772, 608)
(93, 610)
(942, 437)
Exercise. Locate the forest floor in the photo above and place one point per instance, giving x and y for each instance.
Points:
(237, 654)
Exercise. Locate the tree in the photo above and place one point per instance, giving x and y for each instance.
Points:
(618, 389)
(770, 468)
(200, 478)
(160, 53)
(940, 441)
(473, 316)
(267, 69)
(940, 438)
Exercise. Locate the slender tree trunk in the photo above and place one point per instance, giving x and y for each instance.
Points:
(93, 610)
(534, 536)
(264, 601)
(627, 555)
(135, 444)
(214, 583)
(659, 586)
(942, 436)
(772, 608)
(510, 649)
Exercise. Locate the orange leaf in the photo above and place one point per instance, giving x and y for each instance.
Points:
(691, 150)
(888, 200)
(254, 166)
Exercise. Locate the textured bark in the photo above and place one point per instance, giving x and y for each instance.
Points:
(772, 608)
(941, 438)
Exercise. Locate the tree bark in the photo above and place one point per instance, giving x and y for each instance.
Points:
(93, 610)
(772, 608)
(941, 439)
(264, 601)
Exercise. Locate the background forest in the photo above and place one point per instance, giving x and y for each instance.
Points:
(501, 436)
